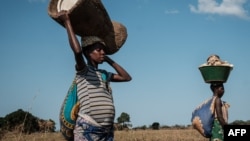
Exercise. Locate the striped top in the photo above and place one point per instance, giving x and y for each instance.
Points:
(95, 96)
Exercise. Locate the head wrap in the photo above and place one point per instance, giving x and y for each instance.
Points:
(90, 40)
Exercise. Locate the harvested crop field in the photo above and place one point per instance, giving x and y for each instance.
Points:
(131, 135)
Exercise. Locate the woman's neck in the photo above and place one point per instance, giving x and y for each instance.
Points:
(92, 64)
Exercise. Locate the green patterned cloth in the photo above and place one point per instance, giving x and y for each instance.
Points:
(217, 131)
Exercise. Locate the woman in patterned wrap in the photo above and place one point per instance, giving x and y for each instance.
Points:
(96, 111)
(221, 112)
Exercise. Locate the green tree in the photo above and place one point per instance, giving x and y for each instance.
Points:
(20, 120)
(123, 119)
(240, 122)
(156, 126)
(1, 122)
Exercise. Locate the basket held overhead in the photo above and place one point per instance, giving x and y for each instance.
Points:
(90, 18)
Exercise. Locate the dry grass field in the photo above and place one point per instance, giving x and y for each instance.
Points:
(131, 135)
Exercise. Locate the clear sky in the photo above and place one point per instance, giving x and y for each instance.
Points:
(167, 41)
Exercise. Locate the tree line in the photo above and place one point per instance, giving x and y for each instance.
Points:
(25, 122)
(123, 122)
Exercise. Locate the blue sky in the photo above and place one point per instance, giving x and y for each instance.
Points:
(167, 41)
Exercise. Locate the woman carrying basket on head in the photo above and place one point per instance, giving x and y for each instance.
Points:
(220, 110)
(96, 110)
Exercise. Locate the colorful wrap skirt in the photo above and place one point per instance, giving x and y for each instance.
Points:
(87, 129)
(217, 132)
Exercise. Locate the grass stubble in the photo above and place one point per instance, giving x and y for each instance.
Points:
(131, 135)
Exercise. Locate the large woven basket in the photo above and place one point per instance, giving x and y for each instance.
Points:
(90, 18)
(215, 73)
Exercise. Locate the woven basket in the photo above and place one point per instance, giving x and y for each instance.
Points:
(89, 18)
(215, 73)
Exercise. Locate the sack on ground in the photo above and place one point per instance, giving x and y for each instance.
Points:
(203, 117)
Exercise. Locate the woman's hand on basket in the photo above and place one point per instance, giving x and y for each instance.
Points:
(63, 15)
